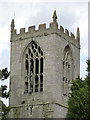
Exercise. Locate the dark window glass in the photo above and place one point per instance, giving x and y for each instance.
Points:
(29, 51)
(26, 63)
(41, 65)
(37, 65)
(31, 66)
(41, 82)
(36, 83)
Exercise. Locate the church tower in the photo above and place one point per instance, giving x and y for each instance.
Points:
(43, 64)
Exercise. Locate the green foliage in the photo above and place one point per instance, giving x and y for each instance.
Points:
(5, 110)
(4, 94)
(79, 103)
(4, 74)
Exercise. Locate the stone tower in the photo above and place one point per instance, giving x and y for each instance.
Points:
(43, 64)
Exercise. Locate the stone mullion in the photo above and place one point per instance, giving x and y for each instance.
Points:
(33, 81)
(39, 65)
(29, 75)
(70, 71)
(34, 74)
(25, 75)
(63, 77)
(34, 66)
(67, 78)
(25, 86)
(28, 84)
(69, 82)
(25, 67)
(39, 75)
(65, 70)
(68, 74)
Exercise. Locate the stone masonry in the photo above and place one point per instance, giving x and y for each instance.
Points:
(42, 65)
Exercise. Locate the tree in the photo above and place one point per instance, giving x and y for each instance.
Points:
(79, 105)
(5, 110)
(4, 74)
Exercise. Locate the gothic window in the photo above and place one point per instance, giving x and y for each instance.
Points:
(67, 70)
(33, 69)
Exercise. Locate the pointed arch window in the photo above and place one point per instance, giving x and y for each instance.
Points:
(67, 70)
(33, 69)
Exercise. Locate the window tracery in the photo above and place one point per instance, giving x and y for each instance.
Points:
(67, 70)
(33, 69)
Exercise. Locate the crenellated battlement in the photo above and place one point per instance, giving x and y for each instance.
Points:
(42, 27)
(31, 29)
(66, 32)
(43, 31)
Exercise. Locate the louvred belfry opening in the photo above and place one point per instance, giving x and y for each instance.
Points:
(33, 69)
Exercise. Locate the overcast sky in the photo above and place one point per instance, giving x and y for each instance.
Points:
(34, 12)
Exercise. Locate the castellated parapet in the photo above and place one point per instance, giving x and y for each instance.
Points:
(43, 31)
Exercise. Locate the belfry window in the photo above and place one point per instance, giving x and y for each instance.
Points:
(33, 69)
(67, 70)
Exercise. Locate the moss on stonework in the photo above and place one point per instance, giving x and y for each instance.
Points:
(44, 112)
(16, 113)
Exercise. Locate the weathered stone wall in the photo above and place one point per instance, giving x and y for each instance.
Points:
(50, 102)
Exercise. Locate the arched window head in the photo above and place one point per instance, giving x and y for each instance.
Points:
(33, 68)
(67, 70)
